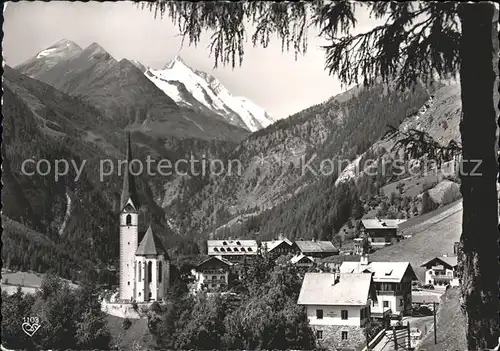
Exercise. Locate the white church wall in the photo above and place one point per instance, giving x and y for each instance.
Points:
(128, 246)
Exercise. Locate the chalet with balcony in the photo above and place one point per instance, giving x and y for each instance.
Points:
(338, 307)
(211, 274)
(441, 271)
(392, 284)
(280, 247)
(382, 232)
(317, 249)
(235, 251)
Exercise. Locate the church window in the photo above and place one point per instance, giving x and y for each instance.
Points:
(159, 272)
(129, 220)
(139, 293)
(150, 272)
(128, 283)
(140, 272)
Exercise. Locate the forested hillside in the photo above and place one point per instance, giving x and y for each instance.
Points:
(276, 192)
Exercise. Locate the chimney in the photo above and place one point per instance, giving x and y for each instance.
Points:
(280, 236)
(364, 260)
(336, 277)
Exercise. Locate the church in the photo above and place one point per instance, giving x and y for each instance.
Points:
(144, 263)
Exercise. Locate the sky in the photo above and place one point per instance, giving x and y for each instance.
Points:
(273, 80)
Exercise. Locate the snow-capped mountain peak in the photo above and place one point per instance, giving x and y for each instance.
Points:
(61, 48)
(202, 91)
(49, 57)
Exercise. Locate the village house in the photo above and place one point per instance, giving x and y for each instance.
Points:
(317, 249)
(281, 246)
(338, 307)
(441, 271)
(211, 274)
(235, 251)
(392, 284)
(382, 232)
(358, 246)
(302, 261)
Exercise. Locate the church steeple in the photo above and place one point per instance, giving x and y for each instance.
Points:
(129, 191)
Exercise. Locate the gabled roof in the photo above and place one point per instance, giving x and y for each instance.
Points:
(320, 289)
(448, 261)
(383, 272)
(378, 223)
(150, 245)
(215, 258)
(270, 245)
(232, 247)
(316, 246)
(297, 258)
(129, 207)
(423, 297)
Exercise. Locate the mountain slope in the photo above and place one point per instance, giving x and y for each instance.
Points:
(285, 182)
(61, 51)
(199, 90)
(77, 214)
(128, 98)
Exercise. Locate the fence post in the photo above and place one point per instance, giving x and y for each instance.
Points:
(409, 336)
(435, 323)
(395, 337)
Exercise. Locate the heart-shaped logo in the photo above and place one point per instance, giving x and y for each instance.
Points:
(30, 328)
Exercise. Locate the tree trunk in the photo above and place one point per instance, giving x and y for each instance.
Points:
(478, 255)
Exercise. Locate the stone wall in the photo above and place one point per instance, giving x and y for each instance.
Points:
(122, 310)
(332, 336)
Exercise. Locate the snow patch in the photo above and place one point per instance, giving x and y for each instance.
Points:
(351, 171)
(66, 216)
(46, 52)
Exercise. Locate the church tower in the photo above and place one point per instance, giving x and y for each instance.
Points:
(129, 213)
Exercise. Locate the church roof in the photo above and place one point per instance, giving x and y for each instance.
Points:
(150, 245)
(129, 191)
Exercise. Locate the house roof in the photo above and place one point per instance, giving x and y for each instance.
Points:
(150, 245)
(320, 289)
(390, 272)
(424, 298)
(232, 247)
(215, 258)
(297, 258)
(316, 246)
(448, 261)
(270, 245)
(378, 223)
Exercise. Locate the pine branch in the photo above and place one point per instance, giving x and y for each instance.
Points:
(416, 144)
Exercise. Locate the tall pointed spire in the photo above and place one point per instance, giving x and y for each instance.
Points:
(129, 191)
